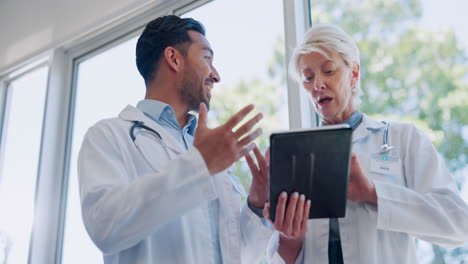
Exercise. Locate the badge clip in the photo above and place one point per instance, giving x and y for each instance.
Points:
(385, 148)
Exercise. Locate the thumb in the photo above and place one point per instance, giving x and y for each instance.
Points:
(266, 211)
(267, 156)
(354, 159)
(202, 113)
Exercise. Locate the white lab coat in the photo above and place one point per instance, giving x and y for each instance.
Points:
(419, 201)
(136, 213)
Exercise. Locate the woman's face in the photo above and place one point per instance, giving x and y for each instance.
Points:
(328, 82)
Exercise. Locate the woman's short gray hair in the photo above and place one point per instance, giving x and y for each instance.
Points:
(323, 37)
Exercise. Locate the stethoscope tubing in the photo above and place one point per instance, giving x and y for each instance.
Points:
(141, 125)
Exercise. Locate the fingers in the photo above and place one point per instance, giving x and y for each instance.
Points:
(291, 221)
(280, 209)
(244, 151)
(250, 162)
(355, 161)
(202, 115)
(251, 137)
(297, 219)
(261, 160)
(244, 129)
(305, 213)
(267, 156)
(266, 213)
(237, 118)
(290, 211)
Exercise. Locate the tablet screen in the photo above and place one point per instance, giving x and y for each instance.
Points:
(314, 162)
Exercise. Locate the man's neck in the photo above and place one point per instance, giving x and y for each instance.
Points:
(180, 109)
(181, 114)
(166, 90)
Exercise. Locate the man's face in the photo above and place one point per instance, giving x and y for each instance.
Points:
(199, 74)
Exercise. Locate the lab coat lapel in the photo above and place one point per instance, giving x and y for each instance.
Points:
(131, 113)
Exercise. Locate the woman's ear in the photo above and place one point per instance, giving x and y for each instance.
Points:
(173, 58)
(355, 71)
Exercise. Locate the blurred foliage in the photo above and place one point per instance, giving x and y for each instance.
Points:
(267, 96)
(413, 73)
(408, 74)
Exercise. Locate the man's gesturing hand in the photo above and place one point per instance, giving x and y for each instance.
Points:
(259, 189)
(222, 146)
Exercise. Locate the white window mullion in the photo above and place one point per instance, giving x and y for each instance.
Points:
(296, 22)
(49, 191)
(3, 95)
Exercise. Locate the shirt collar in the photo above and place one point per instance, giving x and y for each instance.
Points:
(353, 121)
(154, 108)
(158, 110)
(192, 124)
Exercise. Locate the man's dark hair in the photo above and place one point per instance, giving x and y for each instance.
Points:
(163, 32)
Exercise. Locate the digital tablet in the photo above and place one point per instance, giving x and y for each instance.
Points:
(314, 162)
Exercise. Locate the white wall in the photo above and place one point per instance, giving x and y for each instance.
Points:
(29, 28)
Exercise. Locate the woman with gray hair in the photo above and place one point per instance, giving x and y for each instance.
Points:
(399, 187)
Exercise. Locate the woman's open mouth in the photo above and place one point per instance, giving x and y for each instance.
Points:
(324, 100)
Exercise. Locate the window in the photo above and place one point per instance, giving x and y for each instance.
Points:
(20, 146)
(413, 63)
(106, 83)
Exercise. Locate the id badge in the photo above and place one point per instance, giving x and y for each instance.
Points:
(384, 163)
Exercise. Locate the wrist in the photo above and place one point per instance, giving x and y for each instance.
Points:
(289, 248)
(257, 197)
(293, 243)
(258, 210)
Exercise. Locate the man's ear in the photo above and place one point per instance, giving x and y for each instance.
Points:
(355, 71)
(173, 58)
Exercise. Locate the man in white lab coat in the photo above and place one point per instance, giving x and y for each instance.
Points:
(154, 186)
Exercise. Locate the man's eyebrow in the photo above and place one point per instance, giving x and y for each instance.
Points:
(209, 50)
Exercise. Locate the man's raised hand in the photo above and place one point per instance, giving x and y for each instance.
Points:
(221, 146)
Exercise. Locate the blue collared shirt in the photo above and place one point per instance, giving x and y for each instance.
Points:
(163, 114)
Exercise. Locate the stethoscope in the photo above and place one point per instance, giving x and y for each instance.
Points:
(385, 147)
(141, 125)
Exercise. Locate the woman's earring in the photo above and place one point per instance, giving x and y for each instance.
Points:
(354, 90)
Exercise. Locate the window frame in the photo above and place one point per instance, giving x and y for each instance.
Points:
(6, 79)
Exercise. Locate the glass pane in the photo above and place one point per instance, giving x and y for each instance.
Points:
(106, 83)
(414, 68)
(18, 170)
(249, 56)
